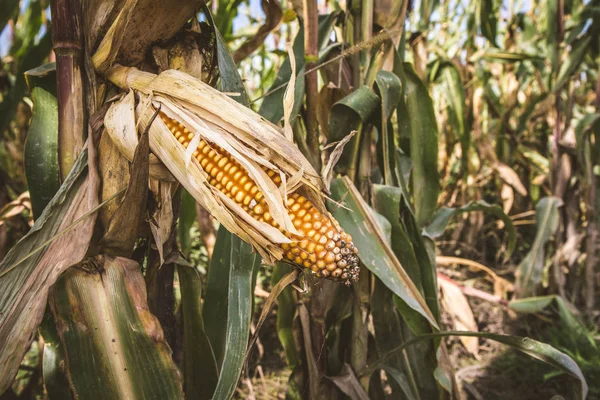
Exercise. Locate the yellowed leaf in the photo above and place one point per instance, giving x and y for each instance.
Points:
(456, 304)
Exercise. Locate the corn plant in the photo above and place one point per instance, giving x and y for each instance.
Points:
(336, 177)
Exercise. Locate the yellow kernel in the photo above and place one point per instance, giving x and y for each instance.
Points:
(329, 257)
(239, 197)
(222, 162)
(258, 209)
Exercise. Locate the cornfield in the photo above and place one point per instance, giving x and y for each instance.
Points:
(376, 199)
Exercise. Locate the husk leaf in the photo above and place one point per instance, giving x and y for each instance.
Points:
(248, 138)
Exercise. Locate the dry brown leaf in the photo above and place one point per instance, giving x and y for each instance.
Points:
(501, 285)
(288, 97)
(161, 222)
(16, 207)
(139, 24)
(273, 14)
(507, 195)
(508, 175)
(456, 304)
(120, 125)
(121, 233)
(334, 158)
(17, 327)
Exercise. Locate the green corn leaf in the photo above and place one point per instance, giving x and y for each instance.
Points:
(230, 81)
(488, 21)
(30, 57)
(454, 93)
(241, 269)
(533, 348)
(200, 367)
(272, 105)
(423, 145)
(407, 242)
(530, 305)
(358, 221)
(389, 89)
(350, 111)
(573, 61)
(187, 216)
(532, 267)
(552, 38)
(41, 147)
(286, 309)
(53, 360)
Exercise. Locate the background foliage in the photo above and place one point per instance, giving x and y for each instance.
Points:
(469, 186)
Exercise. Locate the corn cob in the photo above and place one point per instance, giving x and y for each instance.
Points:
(322, 246)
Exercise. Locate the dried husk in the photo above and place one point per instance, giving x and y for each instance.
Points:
(219, 120)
